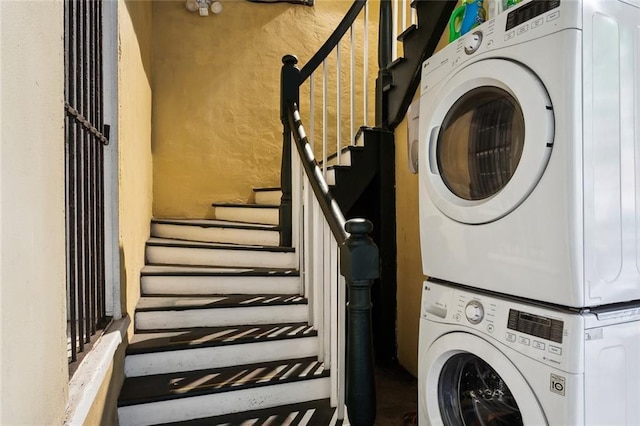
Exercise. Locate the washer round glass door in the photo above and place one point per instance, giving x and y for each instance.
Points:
(489, 133)
(471, 392)
(466, 381)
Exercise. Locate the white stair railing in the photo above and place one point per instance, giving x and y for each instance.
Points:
(320, 234)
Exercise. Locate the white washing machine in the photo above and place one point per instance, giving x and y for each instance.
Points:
(488, 360)
(530, 154)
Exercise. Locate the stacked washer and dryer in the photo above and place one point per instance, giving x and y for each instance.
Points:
(529, 160)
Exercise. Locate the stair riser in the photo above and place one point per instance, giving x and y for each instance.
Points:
(345, 159)
(219, 257)
(331, 177)
(191, 285)
(267, 216)
(161, 320)
(268, 198)
(219, 356)
(255, 237)
(223, 403)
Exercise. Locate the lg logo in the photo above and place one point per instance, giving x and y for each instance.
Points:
(557, 384)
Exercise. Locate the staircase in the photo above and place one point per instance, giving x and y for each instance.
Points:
(399, 79)
(221, 329)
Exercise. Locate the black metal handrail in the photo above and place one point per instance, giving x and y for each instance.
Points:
(332, 41)
(330, 208)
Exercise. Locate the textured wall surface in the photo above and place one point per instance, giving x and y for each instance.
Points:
(410, 277)
(134, 139)
(33, 355)
(216, 126)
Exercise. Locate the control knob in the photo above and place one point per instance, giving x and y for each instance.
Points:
(472, 42)
(474, 312)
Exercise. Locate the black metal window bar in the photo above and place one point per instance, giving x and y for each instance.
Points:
(85, 138)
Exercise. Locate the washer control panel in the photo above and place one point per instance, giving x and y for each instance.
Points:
(548, 335)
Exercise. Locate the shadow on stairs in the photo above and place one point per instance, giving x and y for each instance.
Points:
(221, 328)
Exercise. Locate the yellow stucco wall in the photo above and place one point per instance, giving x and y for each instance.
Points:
(409, 274)
(33, 356)
(134, 139)
(216, 126)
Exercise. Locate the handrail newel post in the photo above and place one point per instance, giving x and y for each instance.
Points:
(359, 263)
(289, 92)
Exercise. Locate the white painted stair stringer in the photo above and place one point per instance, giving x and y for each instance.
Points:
(224, 403)
(228, 284)
(219, 356)
(215, 317)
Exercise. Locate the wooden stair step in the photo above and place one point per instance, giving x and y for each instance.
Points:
(250, 213)
(172, 280)
(153, 353)
(216, 231)
(168, 242)
(162, 387)
(169, 340)
(161, 303)
(182, 270)
(268, 196)
(318, 412)
(408, 33)
(161, 312)
(195, 253)
(215, 223)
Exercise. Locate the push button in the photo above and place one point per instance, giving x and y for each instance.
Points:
(524, 341)
(537, 23)
(553, 16)
(538, 345)
(511, 337)
(555, 350)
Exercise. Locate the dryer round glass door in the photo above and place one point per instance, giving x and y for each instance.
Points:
(464, 380)
(489, 135)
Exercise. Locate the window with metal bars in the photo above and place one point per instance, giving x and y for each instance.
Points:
(85, 138)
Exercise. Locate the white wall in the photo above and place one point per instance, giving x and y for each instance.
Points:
(33, 363)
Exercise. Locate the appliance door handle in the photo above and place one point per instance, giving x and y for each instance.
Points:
(433, 138)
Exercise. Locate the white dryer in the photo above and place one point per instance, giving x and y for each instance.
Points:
(530, 154)
(487, 360)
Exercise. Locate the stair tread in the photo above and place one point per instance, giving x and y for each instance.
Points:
(162, 387)
(411, 29)
(169, 242)
(213, 223)
(318, 412)
(338, 167)
(267, 188)
(190, 338)
(161, 303)
(181, 270)
(396, 62)
(250, 206)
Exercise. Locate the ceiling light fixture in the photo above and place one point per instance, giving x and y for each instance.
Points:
(203, 6)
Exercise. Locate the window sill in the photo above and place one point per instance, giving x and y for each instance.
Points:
(90, 375)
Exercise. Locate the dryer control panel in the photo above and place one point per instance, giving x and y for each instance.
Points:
(546, 334)
(527, 21)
